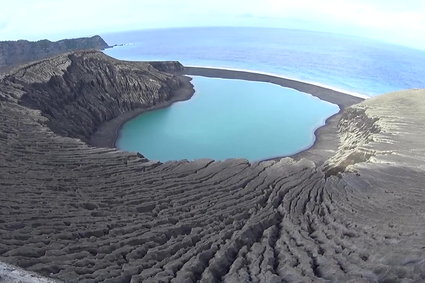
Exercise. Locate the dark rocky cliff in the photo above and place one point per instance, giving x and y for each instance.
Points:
(169, 67)
(13, 53)
(80, 213)
(79, 91)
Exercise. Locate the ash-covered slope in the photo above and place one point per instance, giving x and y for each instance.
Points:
(79, 213)
(13, 53)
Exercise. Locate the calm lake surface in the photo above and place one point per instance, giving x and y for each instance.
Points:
(228, 118)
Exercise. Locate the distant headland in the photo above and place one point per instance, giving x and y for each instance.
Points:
(13, 53)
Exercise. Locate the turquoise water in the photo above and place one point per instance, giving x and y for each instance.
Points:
(228, 118)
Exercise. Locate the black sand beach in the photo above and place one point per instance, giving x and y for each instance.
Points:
(342, 99)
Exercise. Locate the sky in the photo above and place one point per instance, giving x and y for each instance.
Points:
(396, 21)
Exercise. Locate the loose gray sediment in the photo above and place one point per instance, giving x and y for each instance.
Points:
(74, 212)
(14, 274)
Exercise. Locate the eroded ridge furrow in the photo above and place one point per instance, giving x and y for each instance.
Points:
(79, 213)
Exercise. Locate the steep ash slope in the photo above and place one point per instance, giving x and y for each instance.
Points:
(79, 213)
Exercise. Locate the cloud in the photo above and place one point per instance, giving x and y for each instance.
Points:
(3, 25)
(393, 20)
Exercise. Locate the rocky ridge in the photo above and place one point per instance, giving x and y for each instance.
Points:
(79, 213)
(78, 91)
(14, 53)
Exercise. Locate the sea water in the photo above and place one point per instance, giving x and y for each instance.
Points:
(228, 118)
(350, 63)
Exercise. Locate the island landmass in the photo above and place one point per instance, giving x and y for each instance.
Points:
(15, 53)
(74, 212)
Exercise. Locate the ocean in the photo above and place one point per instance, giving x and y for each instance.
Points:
(349, 63)
(250, 119)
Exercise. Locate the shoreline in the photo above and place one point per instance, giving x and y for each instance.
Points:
(108, 132)
(273, 75)
(341, 98)
(326, 139)
(325, 142)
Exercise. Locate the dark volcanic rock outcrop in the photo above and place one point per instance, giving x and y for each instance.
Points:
(13, 53)
(79, 213)
(79, 91)
(168, 66)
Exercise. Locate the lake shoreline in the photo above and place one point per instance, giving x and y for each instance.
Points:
(326, 139)
(108, 132)
(342, 98)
